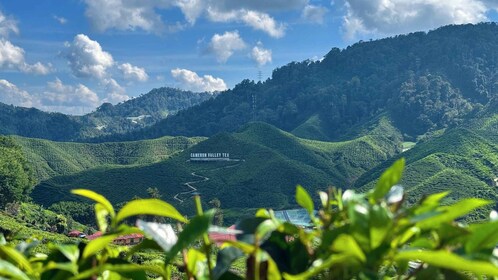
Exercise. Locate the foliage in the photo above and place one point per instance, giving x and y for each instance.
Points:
(127, 116)
(16, 178)
(373, 235)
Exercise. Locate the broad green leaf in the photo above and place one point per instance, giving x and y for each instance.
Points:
(197, 264)
(193, 231)
(401, 239)
(11, 271)
(380, 224)
(95, 197)
(318, 266)
(16, 257)
(224, 260)
(450, 213)
(137, 271)
(448, 260)
(430, 202)
(101, 214)
(151, 206)
(389, 178)
(266, 228)
(71, 252)
(263, 213)
(66, 266)
(304, 200)
(483, 236)
(96, 245)
(346, 245)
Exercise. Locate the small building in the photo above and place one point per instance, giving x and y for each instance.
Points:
(76, 233)
(128, 240)
(218, 238)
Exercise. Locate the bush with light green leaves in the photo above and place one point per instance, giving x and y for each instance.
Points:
(352, 236)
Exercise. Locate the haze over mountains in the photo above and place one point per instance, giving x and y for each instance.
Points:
(338, 121)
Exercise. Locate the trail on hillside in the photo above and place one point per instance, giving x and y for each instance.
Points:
(203, 179)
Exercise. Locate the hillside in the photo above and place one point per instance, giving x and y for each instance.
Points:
(267, 165)
(422, 81)
(460, 161)
(50, 158)
(127, 116)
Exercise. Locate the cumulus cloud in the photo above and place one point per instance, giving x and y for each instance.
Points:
(189, 80)
(133, 15)
(260, 55)
(61, 95)
(115, 93)
(224, 46)
(86, 57)
(387, 17)
(11, 94)
(12, 57)
(131, 72)
(314, 14)
(257, 20)
(125, 14)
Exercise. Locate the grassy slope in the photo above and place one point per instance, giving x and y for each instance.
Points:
(274, 162)
(51, 159)
(460, 161)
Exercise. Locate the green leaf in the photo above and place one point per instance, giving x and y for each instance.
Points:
(194, 230)
(224, 260)
(101, 214)
(11, 271)
(16, 257)
(197, 264)
(450, 213)
(96, 245)
(151, 206)
(448, 260)
(389, 178)
(380, 224)
(430, 202)
(97, 198)
(346, 245)
(304, 200)
(71, 252)
(318, 266)
(483, 236)
(265, 229)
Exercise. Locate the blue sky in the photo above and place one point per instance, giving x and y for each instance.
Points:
(72, 55)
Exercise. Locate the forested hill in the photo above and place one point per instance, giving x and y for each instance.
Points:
(422, 81)
(133, 114)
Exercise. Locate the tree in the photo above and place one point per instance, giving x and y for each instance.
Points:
(16, 177)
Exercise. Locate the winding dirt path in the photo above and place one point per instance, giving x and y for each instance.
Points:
(203, 179)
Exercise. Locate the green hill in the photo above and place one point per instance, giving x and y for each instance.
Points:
(460, 161)
(127, 116)
(51, 159)
(267, 165)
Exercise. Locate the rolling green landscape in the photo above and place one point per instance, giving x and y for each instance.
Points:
(423, 105)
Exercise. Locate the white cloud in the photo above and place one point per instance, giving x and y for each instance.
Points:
(12, 57)
(86, 57)
(11, 94)
(131, 72)
(125, 14)
(115, 93)
(61, 20)
(61, 95)
(386, 17)
(189, 80)
(133, 14)
(257, 20)
(7, 25)
(260, 55)
(314, 14)
(224, 46)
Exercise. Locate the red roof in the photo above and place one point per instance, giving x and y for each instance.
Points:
(94, 236)
(74, 233)
(219, 238)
